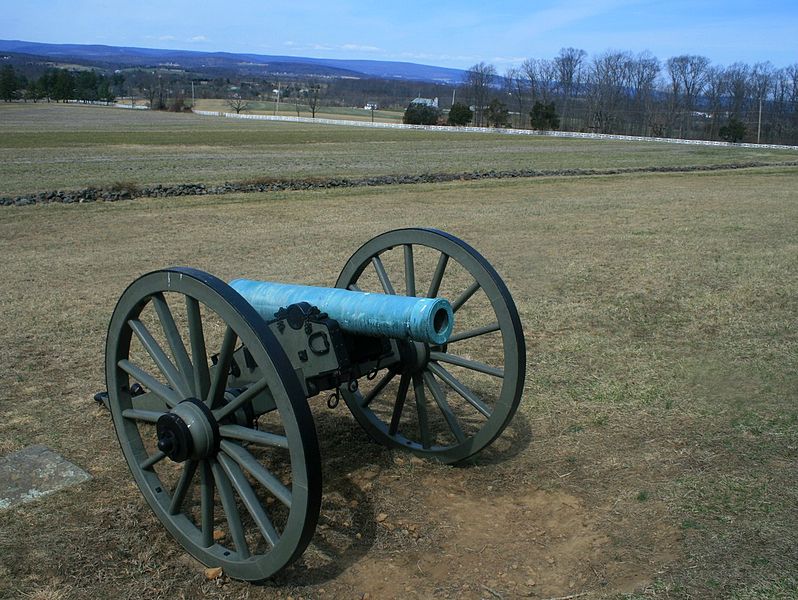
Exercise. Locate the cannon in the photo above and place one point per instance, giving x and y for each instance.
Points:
(209, 385)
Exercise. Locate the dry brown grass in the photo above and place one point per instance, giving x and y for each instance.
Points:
(654, 453)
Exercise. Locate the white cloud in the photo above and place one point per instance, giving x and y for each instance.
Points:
(428, 56)
(198, 38)
(508, 60)
(359, 48)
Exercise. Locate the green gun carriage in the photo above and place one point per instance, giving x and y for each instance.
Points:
(208, 390)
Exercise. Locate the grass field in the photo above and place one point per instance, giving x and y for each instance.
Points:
(46, 147)
(655, 452)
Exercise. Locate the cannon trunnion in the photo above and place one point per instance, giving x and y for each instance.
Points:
(208, 385)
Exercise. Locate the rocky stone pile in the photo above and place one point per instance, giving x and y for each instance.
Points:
(129, 191)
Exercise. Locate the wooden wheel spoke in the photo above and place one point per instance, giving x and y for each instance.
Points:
(250, 464)
(375, 391)
(245, 397)
(249, 498)
(399, 405)
(164, 392)
(222, 370)
(410, 271)
(385, 281)
(437, 277)
(463, 298)
(147, 416)
(199, 355)
(183, 484)
(230, 510)
(459, 387)
(159, 357)
(421, 409)
(255, 436)
(206, 504)
(173, 337)
(152, 460)
(476, 332)
(473, 365)
(443, 405)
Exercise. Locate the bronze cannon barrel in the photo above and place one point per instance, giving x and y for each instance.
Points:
(428, 320)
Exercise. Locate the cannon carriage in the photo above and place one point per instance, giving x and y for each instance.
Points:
(209, 385)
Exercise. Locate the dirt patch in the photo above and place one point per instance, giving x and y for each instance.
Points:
(444, 539)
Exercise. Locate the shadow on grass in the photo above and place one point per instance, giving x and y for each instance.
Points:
(347, 527)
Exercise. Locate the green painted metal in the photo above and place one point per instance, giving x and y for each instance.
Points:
(467, 420)
(196, 497)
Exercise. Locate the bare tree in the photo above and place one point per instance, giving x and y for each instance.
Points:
(607, 81)
(791, 74)
(517, 88)
(715, 91)
(570, 64)
(297, 98)
(762, 75)
(690, 71)
(542, 76)
(314, 92)
(479, 80)
(761, 88)
(150, 93)
(642, 74)
(737, 81)
(785, 104)
(237, 103)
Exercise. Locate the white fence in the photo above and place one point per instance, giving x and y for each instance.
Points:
(115, 103)
(449, 128)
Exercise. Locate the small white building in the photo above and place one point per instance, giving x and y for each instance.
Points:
(431, 102)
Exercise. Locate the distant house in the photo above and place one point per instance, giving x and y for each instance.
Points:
(431, 102)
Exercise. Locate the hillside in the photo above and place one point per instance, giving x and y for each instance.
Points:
(244, 64)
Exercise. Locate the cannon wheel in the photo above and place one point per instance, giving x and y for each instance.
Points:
(245, 499)
(465, 391)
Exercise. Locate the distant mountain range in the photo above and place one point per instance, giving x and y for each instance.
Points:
(244, 64)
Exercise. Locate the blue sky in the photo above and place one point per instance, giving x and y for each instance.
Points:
(452, 33)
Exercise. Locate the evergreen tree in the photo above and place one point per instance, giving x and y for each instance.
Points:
(85, 85)
(63, 85)
(8, 83)
(104, 90)
(420, 114)
(733, 131)
(544, 116)
(497, 113)
(46, 84)
(460, 114)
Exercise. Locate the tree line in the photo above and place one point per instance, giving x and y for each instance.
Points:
(615, 92)
(618, 92)
(58, 85)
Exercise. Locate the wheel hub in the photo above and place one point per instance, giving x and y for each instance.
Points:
(189, 430)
